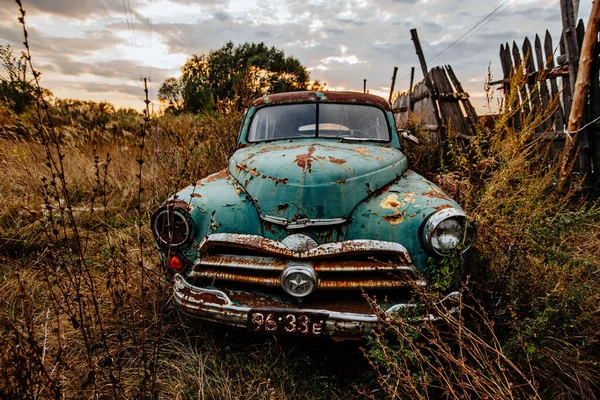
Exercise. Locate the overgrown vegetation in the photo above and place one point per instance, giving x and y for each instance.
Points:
(528, 326)
(85, 312)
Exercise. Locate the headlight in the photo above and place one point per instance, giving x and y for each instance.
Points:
(446, 230)
(171, 225)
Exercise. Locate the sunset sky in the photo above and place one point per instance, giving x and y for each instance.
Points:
(99, 49)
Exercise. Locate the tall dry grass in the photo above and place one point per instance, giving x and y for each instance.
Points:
(76, 321)
(528, 326)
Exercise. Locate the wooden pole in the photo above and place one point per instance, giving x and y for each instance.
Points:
(586, 59)
(570, 38)
(393, 84)
(364, 86)
(433, 95)
(411, 106)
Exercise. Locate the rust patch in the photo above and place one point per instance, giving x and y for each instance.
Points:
(305, 160)
(410, 197)
(254, 172)
(442, 207)
(435, 195)
(211, 178)
(362, 150)
(203, 297)
(311, 96)
(283, 181)
(341, 181)
(282, 207)
(336, 160)
(392, 202)
(395, 219)
(198, 195)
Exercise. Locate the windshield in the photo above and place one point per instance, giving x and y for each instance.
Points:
(327, 120)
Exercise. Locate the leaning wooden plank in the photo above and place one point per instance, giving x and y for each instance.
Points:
(450, 109)
(523, 91)
(544, 94)
(469, 109)
(549, 51)
(566, 85)
(531, 78)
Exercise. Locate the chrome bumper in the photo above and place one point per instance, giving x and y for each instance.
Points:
(214, 305)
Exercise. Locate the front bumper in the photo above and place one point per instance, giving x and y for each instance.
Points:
(215, 305)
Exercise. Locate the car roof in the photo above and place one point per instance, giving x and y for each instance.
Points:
(328, 96)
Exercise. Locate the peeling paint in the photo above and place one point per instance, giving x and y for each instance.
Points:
(305, 161)
(392, 202)
(362, 150)
(311, 96)
(395, 219)
(337, 160)
(435, 194)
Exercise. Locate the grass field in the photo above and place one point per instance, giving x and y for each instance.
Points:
(85, 309)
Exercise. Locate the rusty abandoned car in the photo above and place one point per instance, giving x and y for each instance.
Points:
(316, 208)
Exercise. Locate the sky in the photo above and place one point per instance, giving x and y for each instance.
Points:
(100, 49)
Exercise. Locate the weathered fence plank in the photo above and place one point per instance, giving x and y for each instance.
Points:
(549, 50)
(543, 90)
(451, 104)
(544, 94)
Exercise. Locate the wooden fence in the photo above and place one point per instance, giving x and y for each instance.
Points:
(447, 98)
(549, 79)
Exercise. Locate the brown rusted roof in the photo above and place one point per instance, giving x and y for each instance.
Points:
(336, 97)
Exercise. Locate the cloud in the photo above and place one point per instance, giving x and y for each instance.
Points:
(80, 9)
(109, 88)
(375, 32)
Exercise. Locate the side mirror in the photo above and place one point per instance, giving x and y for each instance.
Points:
(407, 136)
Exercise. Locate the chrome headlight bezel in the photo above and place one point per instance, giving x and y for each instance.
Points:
(433, 222)
(178, 218)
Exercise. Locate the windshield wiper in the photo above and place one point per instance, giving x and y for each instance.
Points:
(354, 139)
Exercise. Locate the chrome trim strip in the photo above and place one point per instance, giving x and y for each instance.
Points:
(302, 223)
(338, 323)
(277, 264)
(271, 246)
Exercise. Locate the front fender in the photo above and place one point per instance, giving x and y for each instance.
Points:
(396, 214)
(217, 205)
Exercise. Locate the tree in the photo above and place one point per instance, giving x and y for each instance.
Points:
(236, 75)
(16, 89)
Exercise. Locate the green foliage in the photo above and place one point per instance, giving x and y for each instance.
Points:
(444, 273)
(236, 75)
(16, 89)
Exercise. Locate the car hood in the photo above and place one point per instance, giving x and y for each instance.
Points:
(317, 180)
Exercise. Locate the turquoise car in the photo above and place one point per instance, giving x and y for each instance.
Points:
(316, 209)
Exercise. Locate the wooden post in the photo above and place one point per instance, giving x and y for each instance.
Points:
(570, 37)
(411, 106)
(580, 95)
(393, 84)
(364, 86)
(593, 131)
(433, 95)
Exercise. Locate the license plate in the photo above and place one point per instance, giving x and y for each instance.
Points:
(286, 322)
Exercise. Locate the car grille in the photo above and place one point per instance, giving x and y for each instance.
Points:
(347, 265)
